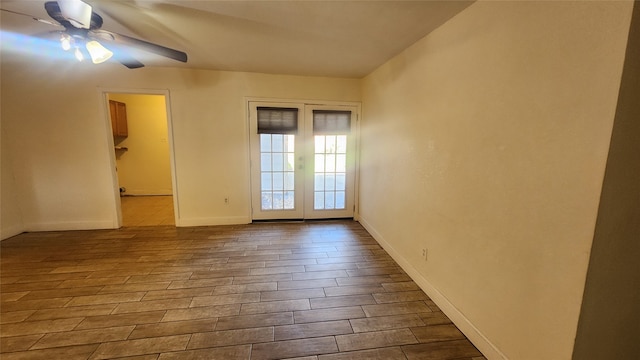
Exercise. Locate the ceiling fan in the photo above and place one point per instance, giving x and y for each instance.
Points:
(82, 31)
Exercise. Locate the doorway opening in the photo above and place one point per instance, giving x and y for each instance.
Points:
(143, 163)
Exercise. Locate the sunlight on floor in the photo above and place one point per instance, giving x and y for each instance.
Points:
(147, 210)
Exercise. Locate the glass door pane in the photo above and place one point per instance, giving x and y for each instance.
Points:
(330, 172)
(277, 172)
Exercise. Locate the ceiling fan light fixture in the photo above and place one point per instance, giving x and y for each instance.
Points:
(99, 53)
(65, 42)
(78, 54)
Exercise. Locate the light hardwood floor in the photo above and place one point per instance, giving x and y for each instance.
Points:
(313, 290)
(147, 210)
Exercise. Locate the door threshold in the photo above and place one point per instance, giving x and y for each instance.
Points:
(277, 221)
(297, 221)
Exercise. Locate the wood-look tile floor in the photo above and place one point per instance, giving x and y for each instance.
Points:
(314, 290)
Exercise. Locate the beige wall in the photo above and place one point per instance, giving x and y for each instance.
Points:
(10, 212)
(609, 326)
(55, 129)
(145, 168)
(486, 142)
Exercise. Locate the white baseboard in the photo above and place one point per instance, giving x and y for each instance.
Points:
(161, 192)
(70, 226)
(212, 221)
(93, 225)
(490, 351)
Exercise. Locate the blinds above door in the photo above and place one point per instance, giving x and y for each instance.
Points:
(331, 122)
(272, 120)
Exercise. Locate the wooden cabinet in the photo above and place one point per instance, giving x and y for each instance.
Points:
(118, 113)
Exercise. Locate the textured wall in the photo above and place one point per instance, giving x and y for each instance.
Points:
(486, 143)
(56, 127)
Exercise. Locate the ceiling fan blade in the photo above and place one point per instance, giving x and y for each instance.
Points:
(128, 61)
(123, 57)
(77, 12)
(147, 46)
(56, 13)
(53, 9)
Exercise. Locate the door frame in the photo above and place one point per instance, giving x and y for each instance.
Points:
(104, 99)
(304, 103)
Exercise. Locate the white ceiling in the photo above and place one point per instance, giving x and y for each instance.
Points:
(318, 38)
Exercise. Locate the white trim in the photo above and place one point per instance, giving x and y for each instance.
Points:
(486, 347)
(111, 158)
(356, 205)
(104, 92)
(249, 183)
(213, 221)
(303, 101)
(70, 226)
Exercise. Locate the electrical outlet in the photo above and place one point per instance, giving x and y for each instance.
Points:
(424, 254)
(226, 200)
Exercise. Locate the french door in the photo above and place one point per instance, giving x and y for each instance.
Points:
(302, 160)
